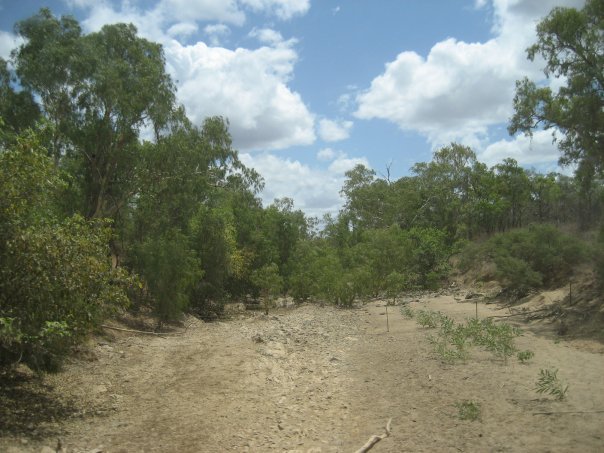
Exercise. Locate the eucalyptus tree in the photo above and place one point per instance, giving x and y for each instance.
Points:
(98, 90)
(571, 42)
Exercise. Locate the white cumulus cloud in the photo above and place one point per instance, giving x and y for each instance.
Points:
(8, 42)
(315, 190)
(247, 86)
(526, 150)
(216, 32)
(283, 9)
(460, 89)
(326, 154)
(333, 131)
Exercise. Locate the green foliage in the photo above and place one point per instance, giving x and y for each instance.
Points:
(452, 341)
(269, 283)
(169, 269)
(394, 284)
(549, 382)
(428, 319)
(527, 258)
(498, 338)
(525, 356)
(468, 410)
(407, 312)
(56, 278)
(570, 41)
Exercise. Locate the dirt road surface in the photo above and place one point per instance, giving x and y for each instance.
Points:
(312, 379)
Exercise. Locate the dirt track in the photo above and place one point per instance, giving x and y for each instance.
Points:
(314, 379)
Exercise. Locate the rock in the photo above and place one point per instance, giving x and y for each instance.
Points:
(47, 449)
(24, 371)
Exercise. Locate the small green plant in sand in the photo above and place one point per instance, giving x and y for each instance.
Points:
(407, 312)
(468, 410)
(448, 350)
(497, 338)
(550, 383)
(428, 319)
(525, 356)
(453, 340)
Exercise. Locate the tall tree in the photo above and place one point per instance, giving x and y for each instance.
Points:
(572, 43)
(98, 90)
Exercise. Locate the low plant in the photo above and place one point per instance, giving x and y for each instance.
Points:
(428, 319)
(497, 338)
(407, 312)
(550, 383)
(525, 356)
(449, 351)
(468, 410)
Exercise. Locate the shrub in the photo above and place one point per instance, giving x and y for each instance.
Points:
(525, 356)
(549, 383)
(527, 258)
(407, 312)
(468, 410)
(56, 278)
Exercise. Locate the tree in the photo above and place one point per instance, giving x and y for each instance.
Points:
(444, 185)
(18, 109)
(513, 189)
(269, 282)
(571, 41)
(56, 278)
(98, 90)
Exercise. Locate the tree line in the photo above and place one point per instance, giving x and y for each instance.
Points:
(112, 199)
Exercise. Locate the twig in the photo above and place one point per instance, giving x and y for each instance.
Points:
(568, 412)
(520, 313)
(375, 439)
(146, 332)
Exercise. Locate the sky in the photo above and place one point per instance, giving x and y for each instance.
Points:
(312, 88)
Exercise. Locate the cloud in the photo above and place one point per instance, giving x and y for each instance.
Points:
(343, 163)
(283, 9)
(216, 32)
(326, 154)
(247, 86)
(333, 131)
(525, 150)
(182, 29)
(267, 36)
(459, 89)
(227, 11)
(8, 42)
(315, 190)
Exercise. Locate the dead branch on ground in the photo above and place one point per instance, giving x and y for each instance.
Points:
(145, 332)
(568, 412)
(375, 439)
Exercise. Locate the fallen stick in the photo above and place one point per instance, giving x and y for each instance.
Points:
(520, 313)
(146, 332)
(375, 439)
(568, 412)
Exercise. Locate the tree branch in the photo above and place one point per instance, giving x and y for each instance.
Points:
(375, 439)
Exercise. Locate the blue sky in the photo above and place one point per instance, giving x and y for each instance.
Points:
(313, 87)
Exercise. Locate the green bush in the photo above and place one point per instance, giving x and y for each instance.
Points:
(468, 410)
(525, 356)
(533, 257)
(56, 278)
(550, 383)
(170, 270)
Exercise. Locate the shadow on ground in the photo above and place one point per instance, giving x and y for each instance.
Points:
(28, 407)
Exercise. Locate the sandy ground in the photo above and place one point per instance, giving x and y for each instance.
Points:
(312, 379)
